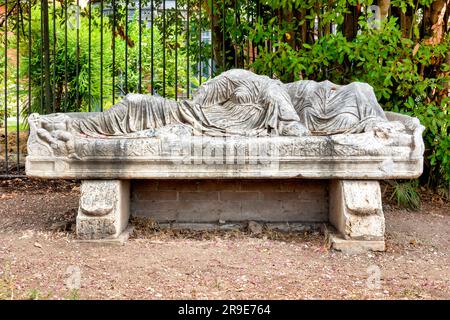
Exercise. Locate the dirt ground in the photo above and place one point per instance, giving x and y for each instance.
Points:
(14, 151)
(40, 260)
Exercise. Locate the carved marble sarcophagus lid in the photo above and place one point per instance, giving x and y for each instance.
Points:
(238, 125)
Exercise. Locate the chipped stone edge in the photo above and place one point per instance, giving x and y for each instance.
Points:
(119, 240)
(351, 246)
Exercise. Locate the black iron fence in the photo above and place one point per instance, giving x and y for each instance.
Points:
(81, 55)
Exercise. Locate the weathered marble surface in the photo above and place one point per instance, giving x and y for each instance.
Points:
(356, 212)
(104, 209)
(239, 102)
(237, 125)
(377, 154)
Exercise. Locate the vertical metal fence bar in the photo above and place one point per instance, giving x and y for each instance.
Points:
(113, 44)
(17, 88)
(223, 36)
(271, 51)
(65, 58)
(235, 25)
(199, 26)
(258, 15)
(54, 57)
(101, 55)
(187, 50)
(41, 90)
(6, 87)
(77, 56)
(140, 47)
(48, 91)
(126, 47)
(29, 57)
(164, 46)
(247, 53)
(89, 56)
(176, 50)
(212, 39)
(152, 70)
(254, 18)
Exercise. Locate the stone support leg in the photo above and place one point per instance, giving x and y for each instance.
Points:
(104, 209)
(356, 213)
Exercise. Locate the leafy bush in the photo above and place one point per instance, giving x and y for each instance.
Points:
(11, 85)
(408, 76)
(406, 194)
(62, 70)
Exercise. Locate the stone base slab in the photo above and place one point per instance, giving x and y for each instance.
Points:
(338, 243)
(119, 240)
(356, 209)
(104, 209)
(361, 167)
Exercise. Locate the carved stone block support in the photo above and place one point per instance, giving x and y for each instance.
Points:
(104, 209)
(356, 212)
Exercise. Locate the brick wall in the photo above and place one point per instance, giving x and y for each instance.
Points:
(230, 200)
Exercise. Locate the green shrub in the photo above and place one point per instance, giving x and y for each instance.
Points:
(407, 76)
(60, 68)
(406, 194)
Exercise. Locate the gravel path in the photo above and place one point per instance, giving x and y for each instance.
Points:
(39, 260)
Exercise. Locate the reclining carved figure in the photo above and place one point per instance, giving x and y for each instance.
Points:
(237, 102)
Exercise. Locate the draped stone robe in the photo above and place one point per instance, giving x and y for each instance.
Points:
(327, 108)
(239, 102)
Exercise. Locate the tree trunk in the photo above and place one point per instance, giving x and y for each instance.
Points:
(46, 48)
(222, 43)
(405, 19)
(434, 22)
(447, 85)
(405, 22)
(384, 6)
(327, 26)
(351, 21)
(304, 26)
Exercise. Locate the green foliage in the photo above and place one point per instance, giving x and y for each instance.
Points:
(11, 84)
(34, 294)
(85, 88)
(6, 283)
(73, 294)
(407, 76)
(406, 194)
